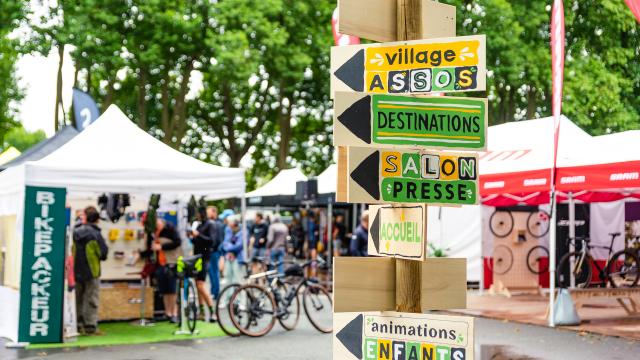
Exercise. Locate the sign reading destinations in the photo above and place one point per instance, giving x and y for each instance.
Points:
(406, 121)
(42, 277)
(420, 66)
(398, 231)
(402, 336)
(392, 176)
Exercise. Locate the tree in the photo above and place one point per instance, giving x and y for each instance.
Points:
(11, 13)
(22, 139)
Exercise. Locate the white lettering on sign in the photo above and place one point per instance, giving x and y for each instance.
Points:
(624, 176)
(41, 267)
(572, 179)
(494, 184)
(534, 182)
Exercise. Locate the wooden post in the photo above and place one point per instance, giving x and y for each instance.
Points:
(408, 272)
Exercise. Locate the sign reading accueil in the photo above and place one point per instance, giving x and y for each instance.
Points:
(42, 278)
(421, 66)
(402, 336)
(407, 121)
(398, 231)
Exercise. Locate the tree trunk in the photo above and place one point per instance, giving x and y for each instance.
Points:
(142, 102)
(180, 110)
(108, 99)
(164, 117)
(284, 121)
(531, 103)
(58, 86)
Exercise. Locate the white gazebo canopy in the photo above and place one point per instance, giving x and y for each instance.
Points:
(284, 183)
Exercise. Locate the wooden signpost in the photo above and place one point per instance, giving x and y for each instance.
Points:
(402, 336)
(400, 176)
(437, 122)
(418, 67)
(398, 231)
(385, 139)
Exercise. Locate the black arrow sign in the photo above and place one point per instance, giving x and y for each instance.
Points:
(367, 175)
(375, 230)
(352, 72)
(357, 118)
(351, 336)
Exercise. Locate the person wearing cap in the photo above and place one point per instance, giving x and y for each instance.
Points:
(276, 242)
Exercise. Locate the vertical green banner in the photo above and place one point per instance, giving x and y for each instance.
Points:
(42, 278)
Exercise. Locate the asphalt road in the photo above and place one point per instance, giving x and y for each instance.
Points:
(495, 340)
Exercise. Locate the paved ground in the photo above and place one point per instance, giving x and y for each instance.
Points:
(495, 340)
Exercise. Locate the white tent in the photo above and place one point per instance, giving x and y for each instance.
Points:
(111, 155)
(327, 180)
(283, 184)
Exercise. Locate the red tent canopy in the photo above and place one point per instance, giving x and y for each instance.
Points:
(516, 168)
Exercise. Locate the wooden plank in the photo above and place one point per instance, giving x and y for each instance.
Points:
(370, 284)
(385, 335)
(452, 64)
(444, 284)
(398, 231)
(376, 19)
(363, 284)
(371, 120)
(378, 176)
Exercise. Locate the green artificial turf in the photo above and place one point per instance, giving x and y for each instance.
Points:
(122, 333)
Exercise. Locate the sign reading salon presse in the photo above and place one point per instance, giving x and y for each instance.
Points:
(42, 278)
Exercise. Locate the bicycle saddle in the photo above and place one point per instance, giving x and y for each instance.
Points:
(615, 234)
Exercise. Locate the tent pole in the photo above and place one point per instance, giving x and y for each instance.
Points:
(354, 218)
(552, 258)
(572, 235)
(243, 210)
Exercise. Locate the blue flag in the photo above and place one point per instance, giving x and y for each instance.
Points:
(85, 109)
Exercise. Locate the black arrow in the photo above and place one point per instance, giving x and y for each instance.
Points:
(357, 118)
(351, 336)
(366, 175)
(352, 72)
(375, 230)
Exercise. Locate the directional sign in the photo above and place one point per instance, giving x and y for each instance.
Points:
(421, 66)
(405, 121)
(376, 176)
(398, 231)
(402, 336)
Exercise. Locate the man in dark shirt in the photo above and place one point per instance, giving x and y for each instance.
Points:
(216, 251)
(360, 238)
(204, 239)
(89, 248)
(259, 236)
(339, 233)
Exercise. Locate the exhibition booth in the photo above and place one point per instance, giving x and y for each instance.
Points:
(38, 200)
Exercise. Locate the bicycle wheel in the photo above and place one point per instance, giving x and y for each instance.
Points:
(191, 310)
(534, 257)
(623, 269)
(502, 259)
(223, 310)
(538, 223)
(319, 307)
(288, 316)
(582, 271)
(501, 223)
(253, 310)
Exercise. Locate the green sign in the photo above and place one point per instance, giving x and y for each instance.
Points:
(371, 120)
(42, 278)
(403, 190)
(443, 122)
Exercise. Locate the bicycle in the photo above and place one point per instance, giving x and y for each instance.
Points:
(620, 269)
(253, 305)
(186, 269)
(222, 304)
(501, 223)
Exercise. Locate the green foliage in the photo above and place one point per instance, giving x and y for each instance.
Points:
(11, 13)
(22, 139)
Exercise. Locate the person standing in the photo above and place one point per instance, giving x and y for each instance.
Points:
(89, 249)
(204, 239)
(277, 242)
(339, 233)
(216, 251)
(360, 238)
(234, 253)
(259, 236)
(313, 229)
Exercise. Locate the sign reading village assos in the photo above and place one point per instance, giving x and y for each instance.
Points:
(42, 278)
